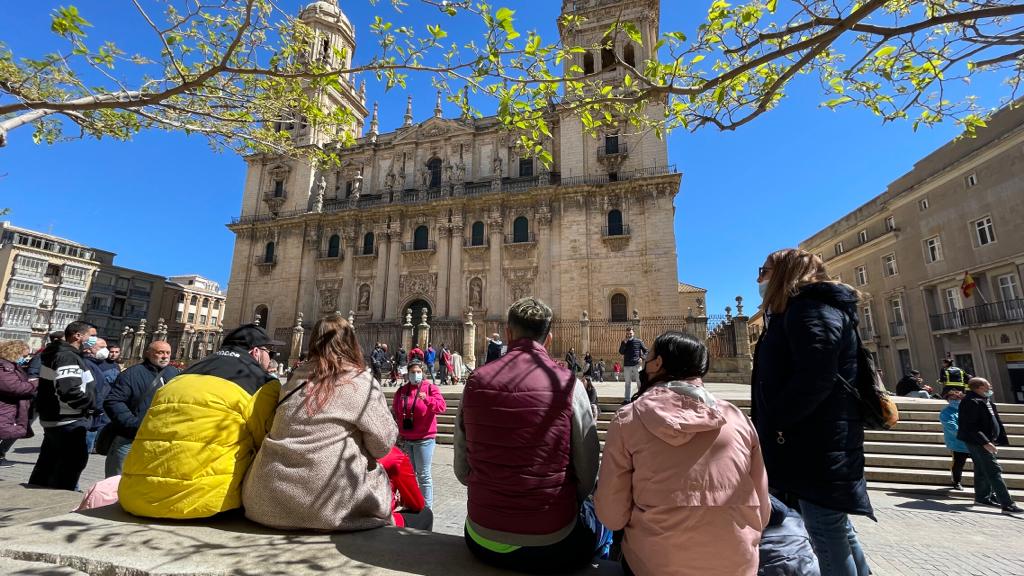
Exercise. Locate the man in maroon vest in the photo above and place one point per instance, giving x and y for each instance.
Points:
(526, 447)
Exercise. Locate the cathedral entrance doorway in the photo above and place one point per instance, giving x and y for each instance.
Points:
(418, 306)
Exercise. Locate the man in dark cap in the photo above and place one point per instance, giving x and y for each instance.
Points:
(202, 431)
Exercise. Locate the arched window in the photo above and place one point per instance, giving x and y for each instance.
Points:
(607, 53)
(629, 55)
(206, 303)
(588, 62)
(368, 243)
(216, 304)
(420, 237)
(194, 301)
(615, 223)
(334, 246)
(619, 307)
(181, 298)
(434, 165)
(477, 234)
(521, 229)
(261, 316)
(268, 253)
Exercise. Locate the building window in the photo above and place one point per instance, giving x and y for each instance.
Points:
(890, 223)
(951, 296)
(278, 188)
(202, 319)
(619, 308)
(434, 165)
(194, 301)
(862, 237)
(1008, 289)
(611, 144)
(861, 274)
(420, 238)
(889, 265)
(334, 246)
(261, 316)
(922, 204)
(476, 235)
(839, 248)
(629, 55)
(985, 232)
(607, 53)
(867, 320)
(588, 62)
(972, 180)
(268, 253)
(206, 304)
(905, 364)
(933, 249)
(615, 223)
(525, 167)
(897, 311)
(368, 243)
(521, 230)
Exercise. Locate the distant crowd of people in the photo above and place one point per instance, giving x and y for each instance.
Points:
(686, 484)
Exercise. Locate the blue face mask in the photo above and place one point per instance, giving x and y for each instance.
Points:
(762, 289)
(23, 361)
(415, 377)
(90, 342)
(989, 393)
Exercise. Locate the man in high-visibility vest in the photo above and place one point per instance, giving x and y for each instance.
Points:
(952, 378)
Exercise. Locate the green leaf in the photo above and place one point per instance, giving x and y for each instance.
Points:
(884, 51)
(771, 5)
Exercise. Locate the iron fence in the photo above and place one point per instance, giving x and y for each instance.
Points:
(988, 313)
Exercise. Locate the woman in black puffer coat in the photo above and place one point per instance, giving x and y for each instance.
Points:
(811, 429)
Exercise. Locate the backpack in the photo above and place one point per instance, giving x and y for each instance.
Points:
(878, 409)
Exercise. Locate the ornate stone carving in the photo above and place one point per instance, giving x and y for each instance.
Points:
(520, 281)
(364, 298)
(418, 258)
(616, 243)
(476, 290)
(327, 266)
(364, 262)
(476, 254)
(327, 290)
(423, 284)
(520, 250)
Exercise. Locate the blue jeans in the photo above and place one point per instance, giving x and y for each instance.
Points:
(834, 541)
(90, 440)
(119, 448)
(421, 453)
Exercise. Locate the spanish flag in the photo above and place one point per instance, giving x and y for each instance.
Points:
(968, 286)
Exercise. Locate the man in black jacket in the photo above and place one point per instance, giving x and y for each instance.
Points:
(129, 399)
(633, 352)
(65, 404)
(982, 430)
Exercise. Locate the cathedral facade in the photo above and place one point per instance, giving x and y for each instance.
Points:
(449, 216)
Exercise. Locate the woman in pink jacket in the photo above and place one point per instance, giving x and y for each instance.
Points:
(682, 472)
(416, 406)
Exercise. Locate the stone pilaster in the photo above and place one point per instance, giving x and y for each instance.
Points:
(445, 246)
(456, 282)
(391, 303)
(347, 276)
(495, 281)
(377, 290)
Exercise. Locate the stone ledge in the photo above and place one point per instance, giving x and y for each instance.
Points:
(110, 541)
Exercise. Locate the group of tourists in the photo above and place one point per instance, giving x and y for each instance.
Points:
(441, 364)
(687, 483)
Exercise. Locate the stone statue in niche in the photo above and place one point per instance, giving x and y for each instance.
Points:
(364, 298)
(476, 288)
(448, 172)
(460, 171)
(389, 181)
(318, 201)
(496, 166)
(425, 177)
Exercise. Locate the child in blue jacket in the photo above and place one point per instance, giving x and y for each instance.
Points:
(948, 417)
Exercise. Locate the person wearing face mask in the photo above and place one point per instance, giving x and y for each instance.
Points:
(202, 430)
(16, 393)
(949, 417)
(94, 356)
(129, 398)
(415, 407)
(982, 430)
(682, 471)
(810, 427)
(65, 403)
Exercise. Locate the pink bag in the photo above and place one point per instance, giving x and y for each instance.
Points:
(102, 493)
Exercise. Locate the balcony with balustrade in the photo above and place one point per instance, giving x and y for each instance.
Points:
(897, 330)
(987, 314)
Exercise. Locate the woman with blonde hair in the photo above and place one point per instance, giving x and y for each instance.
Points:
(16, 393)
(810, 426)
(318, 469)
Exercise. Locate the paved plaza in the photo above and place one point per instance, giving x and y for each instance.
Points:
(925, 533)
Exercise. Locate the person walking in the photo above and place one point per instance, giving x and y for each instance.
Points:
(571, 362)
(318, 469)
(949, 417)
(416, 353)
(129, 399)
(982, 430)
(663, 453)
(415, 408)
(811, 429)
(633, 352)
(93, 356)
(599, 371)
(526, 447)
(399, 370)
(16, 394)
(446, 368)
(588, 365)
(430, 360)
(66, 402)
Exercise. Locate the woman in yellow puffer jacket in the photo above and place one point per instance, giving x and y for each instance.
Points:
(202, 432)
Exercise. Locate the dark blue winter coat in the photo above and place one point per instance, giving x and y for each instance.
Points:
(810, 426)
(785, 548)
(131, 394)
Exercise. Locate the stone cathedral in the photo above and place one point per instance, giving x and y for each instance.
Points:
(447, 216)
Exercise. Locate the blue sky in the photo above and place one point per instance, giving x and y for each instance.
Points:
(161, 201)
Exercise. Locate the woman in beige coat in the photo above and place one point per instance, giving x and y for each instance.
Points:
(682, 472)
(318, 469)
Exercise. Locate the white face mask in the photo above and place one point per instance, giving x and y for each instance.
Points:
(762, 289)
(415, 377)
(102, 354)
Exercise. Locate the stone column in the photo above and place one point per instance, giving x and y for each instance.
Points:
(543, 288)
(126, 343)
(495, 279)
(423, 331)
(297, 333)
(740, 330)
(469, 341)
(347, 277)
(456, 282)
(407, 328)
(584, 345)
(444, 249)
(391, 303)
(380, 276)
(140, 340)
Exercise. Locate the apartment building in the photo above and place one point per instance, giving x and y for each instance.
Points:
(120, 297)
(193, 309)
(959, 211)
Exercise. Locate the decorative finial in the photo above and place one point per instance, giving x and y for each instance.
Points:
(352, 319)
(298, 321)
(585, 317)
(408, 112)
(437, 106)
(373, 121)
(739, 305)
(408, 317)
(362, 90)
(728, 313)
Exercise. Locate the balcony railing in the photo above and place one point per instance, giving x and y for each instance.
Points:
(411, 246)
(897, 329)
(621, 149)
(530, 238)
(102, 288)
(339, 254)
(613, 231)
(468, 243)
(264, 261)
(1007, 311)
(867, 334)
